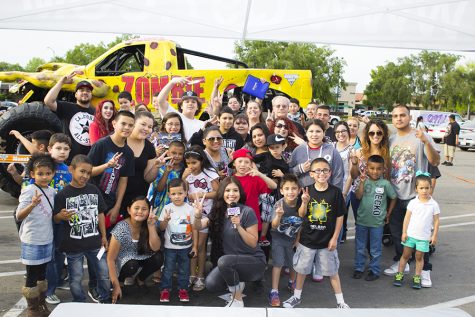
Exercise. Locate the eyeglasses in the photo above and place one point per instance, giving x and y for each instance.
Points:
(214, 139)
(172, 124)
(281, 126)
(342, 131)
(378, 133)
(321, 171)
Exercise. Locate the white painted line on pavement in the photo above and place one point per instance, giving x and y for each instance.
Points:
(12, 273)
(454, 303)
(458, 216)
(6, 217)
(17, 309)
(10, 261)
(6, 211)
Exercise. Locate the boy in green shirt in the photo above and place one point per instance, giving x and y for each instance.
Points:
(373, 213)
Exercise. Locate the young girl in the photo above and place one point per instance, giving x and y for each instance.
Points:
(202, 181)
(35, 210)
(102, 124)
(134, 245)
(170, 130)
(422, 214)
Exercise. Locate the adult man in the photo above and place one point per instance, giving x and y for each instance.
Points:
(451, 139)
(311, 110)
(410, 151)
(323, 114)
(76, 117)
(280, 109)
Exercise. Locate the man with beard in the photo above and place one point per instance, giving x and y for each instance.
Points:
(76, 117)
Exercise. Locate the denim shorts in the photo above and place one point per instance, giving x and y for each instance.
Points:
(32, 254)
(419, 245)
(327, 260)
(282, 253)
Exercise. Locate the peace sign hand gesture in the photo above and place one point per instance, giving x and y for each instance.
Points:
(161, 160)
(114, 160)
(152, 218)
(36, 199)
(198, 205)
(305, 195)
(270, 115)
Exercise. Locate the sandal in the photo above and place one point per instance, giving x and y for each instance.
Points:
(192, 280)
(199, 284)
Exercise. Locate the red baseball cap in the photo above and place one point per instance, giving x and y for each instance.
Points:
(241, 153)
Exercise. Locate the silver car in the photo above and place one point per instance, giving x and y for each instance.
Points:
(466, 141)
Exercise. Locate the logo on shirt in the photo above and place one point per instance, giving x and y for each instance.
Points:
(79, 127)
(318, 211)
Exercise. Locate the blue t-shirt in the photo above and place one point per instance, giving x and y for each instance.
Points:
(62, 177)
(157, 198)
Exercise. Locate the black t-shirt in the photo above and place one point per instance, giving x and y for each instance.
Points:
(319, 223)
(101, 152)
(136, 184)
(81, 232)
(76, 121)
(330, 134)
(267, 163)
(453, 129)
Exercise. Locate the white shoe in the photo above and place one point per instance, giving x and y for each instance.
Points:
(129, 281)
(425, 279)
(235, 303)
(393, 269)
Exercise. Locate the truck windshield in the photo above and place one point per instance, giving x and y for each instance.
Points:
(124, 60)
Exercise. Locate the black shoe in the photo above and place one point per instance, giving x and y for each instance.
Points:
(357, 275)
(371, 277)
(449, 164)
(94, 295)
(444, 163)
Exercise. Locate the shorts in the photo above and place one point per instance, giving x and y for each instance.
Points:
(419, 245)
(282, 254)
(327, 260)
(449, 150)
(203, 219)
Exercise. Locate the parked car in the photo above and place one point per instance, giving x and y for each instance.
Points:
(467, 126)
(435, 121)
(370, 113)
(467, 141)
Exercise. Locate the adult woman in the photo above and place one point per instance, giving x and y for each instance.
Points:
(241, 125)
(254, 113)
(234, 104)
(285, 128)
(375, 142)
(217, 155)
(102, 124)
(235, 251)
(145, 162)
(259, 134)
(134, 244)
(354, 125)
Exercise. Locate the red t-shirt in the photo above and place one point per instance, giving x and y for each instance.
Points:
(253, 186)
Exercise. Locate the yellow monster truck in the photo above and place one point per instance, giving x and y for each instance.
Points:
(140, 66)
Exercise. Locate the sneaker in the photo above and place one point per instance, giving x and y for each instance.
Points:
(342, 306)
(292, 302)
(357, 274)
(263, 242)
(235, 303)
(129, 281)
(199, 284)
(449, 164)
(291, 285)
(317, 278)
(52, 299)
(371, 277)
(274, 299)
(287, 271)
(398, 279)
(64, 285)
(425, 279)
(393, 269)
(183, 295)
(93, 294)
(192, 281)
(444, 163)
(165, 296)
(416, 282)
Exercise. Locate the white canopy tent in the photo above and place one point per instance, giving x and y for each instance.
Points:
(420, 24)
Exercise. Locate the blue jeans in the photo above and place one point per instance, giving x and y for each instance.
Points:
(176, 258)
(55, 267)
(76, 272)
(375, 236)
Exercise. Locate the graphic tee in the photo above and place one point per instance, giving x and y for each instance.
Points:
(81, 232)
(373, 206)
(453, 129)
(62, 177)
(323, 209)
(290, 223)
(201, 183)
(163, 138)
(178, 234)
(102, 151)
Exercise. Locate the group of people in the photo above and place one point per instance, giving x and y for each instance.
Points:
(145, 198)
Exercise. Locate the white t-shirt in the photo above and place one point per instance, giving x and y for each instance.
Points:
(202, 183)
(178, 234)
(422, 218)
(190, 126)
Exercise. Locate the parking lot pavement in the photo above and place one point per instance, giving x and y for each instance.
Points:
(453, 275)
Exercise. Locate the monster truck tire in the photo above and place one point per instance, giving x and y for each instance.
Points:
(26, 119)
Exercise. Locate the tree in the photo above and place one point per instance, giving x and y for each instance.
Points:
(33, 64)
(4, 66)
(327, 70)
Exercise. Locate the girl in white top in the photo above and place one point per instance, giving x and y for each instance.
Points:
(202, 180)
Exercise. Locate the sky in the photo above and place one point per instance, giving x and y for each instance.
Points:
(18, 46)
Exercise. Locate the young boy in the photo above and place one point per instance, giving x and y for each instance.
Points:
(80, 208)
(126, 103)
(177, 220)
(273, 165)
(252, 180)
(320, 230)
(295, 113)
(158, 191)
(373, 213)
(113, 162)
(286, 225)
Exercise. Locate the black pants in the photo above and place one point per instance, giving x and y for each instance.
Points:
(233, 269)
(395, 224)
(150, 265)
(35, 273)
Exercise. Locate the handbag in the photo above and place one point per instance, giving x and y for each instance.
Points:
(254, 87)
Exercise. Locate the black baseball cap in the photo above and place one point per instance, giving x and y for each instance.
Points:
(84, 83)
(189, 93)
(275, 139)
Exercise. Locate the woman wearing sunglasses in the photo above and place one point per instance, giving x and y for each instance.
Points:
(217, 154)
(284, 127)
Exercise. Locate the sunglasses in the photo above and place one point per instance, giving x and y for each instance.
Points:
(378, 133)
(281, 126)
(214, 139)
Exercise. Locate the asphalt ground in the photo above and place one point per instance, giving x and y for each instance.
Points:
(452, 276)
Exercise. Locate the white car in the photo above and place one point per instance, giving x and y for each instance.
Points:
(370, 113)
(334, 119)
(437, 132)
(466, 141)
